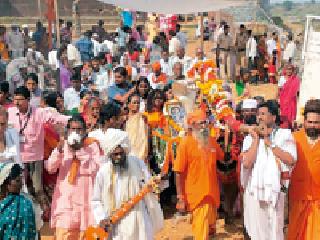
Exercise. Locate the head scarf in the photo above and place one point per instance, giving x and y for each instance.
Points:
(196, 116)
(114, 138)
(5, 171)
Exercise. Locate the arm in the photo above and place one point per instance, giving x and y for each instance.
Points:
(285, 157)
(180, 166)
(124, 98)
(54, 161)
(96, 200)
(285, 150)
(250, 155)
(54, 117)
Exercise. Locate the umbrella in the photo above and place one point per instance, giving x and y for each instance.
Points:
(176, 6)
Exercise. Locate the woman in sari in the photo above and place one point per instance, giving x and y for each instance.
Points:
(157, 123)
(289, 95)
(262, 58)
(51, 140)
(137, 129)
(17, 217)
(91, 113)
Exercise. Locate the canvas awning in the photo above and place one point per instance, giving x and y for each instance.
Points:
(176, 6)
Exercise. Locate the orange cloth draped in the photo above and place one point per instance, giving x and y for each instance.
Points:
(51, 140)
(4, 51)
(198, 165)
(75, 165)
(304, 191)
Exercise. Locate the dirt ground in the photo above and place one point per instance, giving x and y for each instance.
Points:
(181, 230)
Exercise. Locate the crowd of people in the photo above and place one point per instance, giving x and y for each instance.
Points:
(107, 131)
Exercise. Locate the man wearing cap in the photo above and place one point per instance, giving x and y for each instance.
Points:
(224, 45)
(119, 179)
(196, 178)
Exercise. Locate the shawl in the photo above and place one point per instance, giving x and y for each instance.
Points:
(17, 218)
(137, 130)
(288, 98)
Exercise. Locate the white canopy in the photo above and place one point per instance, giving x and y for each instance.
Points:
(176, 6)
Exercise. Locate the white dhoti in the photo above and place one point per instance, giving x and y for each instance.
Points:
(262, 220)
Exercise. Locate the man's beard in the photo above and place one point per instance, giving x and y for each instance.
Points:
(313, 133)
(250, 119)
(202, 136)
(121, 164)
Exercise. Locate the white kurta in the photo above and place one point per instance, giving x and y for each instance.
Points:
(112, 188)
(263, 201)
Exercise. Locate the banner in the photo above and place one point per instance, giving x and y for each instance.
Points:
(176, 6)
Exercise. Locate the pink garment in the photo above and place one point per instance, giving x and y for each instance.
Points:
(71, 206)
(32, 149)
(288, 98)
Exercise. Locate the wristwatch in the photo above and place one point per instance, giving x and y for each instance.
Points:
(273, 145)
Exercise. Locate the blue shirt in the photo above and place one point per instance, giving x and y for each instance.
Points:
(114, 90)
(127, 18)
(85, 47)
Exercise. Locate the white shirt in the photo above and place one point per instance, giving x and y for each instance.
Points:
(165, 67)
(174, 44)
(11, 153)
(71, 99)
(289, 51)
(251, 49)
(271, 45)
(52, 59)
(182, 38)
(263, 180)
(96, 47)
(73, 54)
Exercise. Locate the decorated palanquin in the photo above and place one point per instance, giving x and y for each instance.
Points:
(215, 100)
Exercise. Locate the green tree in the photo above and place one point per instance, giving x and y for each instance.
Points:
(287, 5)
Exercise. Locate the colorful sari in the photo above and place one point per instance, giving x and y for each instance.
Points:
(51, 140)
(17, 218)
(288, 99)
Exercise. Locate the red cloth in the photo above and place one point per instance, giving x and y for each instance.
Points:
(288, 98)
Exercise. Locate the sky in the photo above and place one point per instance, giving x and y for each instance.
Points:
(279, 1)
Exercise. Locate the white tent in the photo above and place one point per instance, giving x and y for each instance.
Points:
(176, 6)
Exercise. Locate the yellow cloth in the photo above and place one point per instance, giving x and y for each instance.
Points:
(68, 234)
(203, 221)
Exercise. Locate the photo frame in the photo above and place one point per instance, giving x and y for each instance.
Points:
(176, 111)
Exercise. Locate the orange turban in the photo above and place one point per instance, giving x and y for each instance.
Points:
(196, 116)
(156, 66)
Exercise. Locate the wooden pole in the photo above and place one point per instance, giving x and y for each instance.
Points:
(201, 32)
(56, 8)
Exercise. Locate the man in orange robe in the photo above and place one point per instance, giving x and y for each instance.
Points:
(304, 191)
(196, 177)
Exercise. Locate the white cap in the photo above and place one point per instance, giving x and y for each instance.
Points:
(24, 26)
(95, 35)
(249, 104)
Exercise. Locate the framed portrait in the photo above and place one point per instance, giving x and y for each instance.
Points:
(176, 111)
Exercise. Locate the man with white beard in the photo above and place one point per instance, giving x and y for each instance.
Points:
(119, 180)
